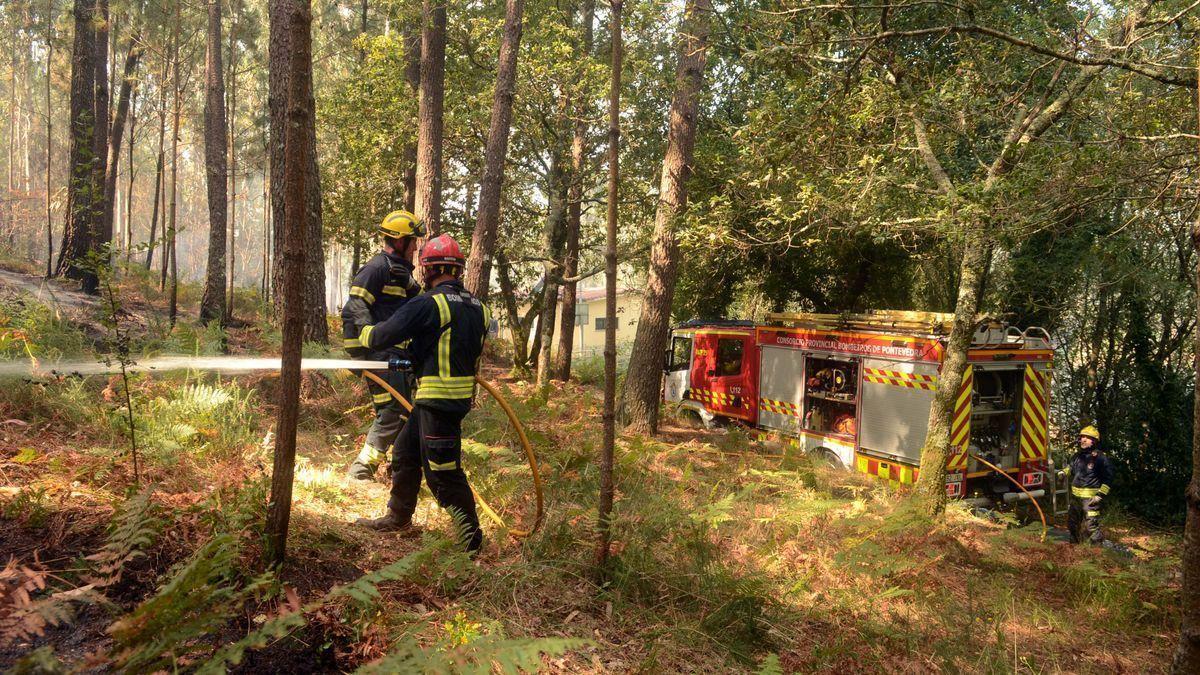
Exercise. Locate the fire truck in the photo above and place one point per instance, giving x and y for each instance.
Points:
(855, 391)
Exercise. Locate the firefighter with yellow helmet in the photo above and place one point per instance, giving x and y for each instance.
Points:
(448, 327)
(382, 286)
(1090, 474)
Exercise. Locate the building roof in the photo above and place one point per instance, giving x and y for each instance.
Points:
(593, 294)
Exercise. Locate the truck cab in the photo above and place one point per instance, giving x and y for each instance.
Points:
(711, 369)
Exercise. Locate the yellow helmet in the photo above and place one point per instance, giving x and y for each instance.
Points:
(400, 224)
(1090, 431)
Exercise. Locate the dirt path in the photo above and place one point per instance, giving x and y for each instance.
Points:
(47, 292)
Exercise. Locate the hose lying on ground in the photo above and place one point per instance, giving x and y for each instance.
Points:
(516, 423)
(1014, 481)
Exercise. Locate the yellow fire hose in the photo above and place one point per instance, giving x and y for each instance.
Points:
(1020, 487)
(516, 423)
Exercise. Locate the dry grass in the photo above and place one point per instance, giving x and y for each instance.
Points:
(726, 552)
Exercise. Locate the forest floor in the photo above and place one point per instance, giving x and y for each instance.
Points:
(729, 554)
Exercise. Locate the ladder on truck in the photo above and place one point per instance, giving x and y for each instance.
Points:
(989, 332)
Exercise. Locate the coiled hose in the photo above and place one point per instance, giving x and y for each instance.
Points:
(516, 423)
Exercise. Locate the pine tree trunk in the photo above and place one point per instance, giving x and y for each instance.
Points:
(412, 76)
(280, 52)
(428, 202)
(1187, 654)
(297, 154)
(160, 164)
(82, 194)
(517, 333)
(487, 220)
(556, 232)
(102, 213)
(266, 230)
(133, 110)
(118, 129)
(212, 304)
(49, 136)
(931, 484)
(14, 68)
(579, 152)
(169, 259)
(607, 450)
(639, 401)
(235, 11)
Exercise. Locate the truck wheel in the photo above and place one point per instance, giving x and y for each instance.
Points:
(828, 458)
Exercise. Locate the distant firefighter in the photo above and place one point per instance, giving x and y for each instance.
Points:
(1090, 474)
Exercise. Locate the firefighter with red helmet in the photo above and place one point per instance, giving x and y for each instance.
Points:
(1090, 474)
(382, 286)
(447, 327)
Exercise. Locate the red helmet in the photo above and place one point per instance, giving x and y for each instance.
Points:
(442, 250)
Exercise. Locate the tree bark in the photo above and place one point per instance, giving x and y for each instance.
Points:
(169, 225)
(83, 194)
(973, 273)
(556, 232)
(49, 136)
(297, 152)
(235, 12)
(133, 110)
(212, 304)
(132, 57)
(280, 51)
(412, 76)
(102, 214)
(428, 202)
(1187, 654)
(159, 165)
(518, 335)
(579, 153)
(266, 229)
(639, 401)
(607, 451)
(487, 220)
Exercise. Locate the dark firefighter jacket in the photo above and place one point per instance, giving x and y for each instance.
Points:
(447, 327)
(1090, 472)
(380, 288)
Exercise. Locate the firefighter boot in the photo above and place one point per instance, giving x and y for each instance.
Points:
(392, 522)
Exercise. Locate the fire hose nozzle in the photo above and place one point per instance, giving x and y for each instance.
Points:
(399, 364)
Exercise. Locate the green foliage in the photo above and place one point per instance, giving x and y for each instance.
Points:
(201, 419)
(28, 506)
(183, 338)
(201, 594)
(45, 332)
(135, 526)
(363, 591)
(483, 656)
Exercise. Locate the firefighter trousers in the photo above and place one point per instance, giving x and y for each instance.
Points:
(431, 445)
(1083, 520)
(389, 420)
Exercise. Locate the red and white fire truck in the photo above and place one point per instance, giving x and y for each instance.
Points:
(855, 390)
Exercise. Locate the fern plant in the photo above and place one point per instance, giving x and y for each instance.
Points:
(23, 615)
(134, 528)
(196, 601)
(363, 590)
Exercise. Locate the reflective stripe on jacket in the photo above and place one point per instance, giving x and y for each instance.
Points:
(379, 288)
(448, 328)
(1090, 472)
